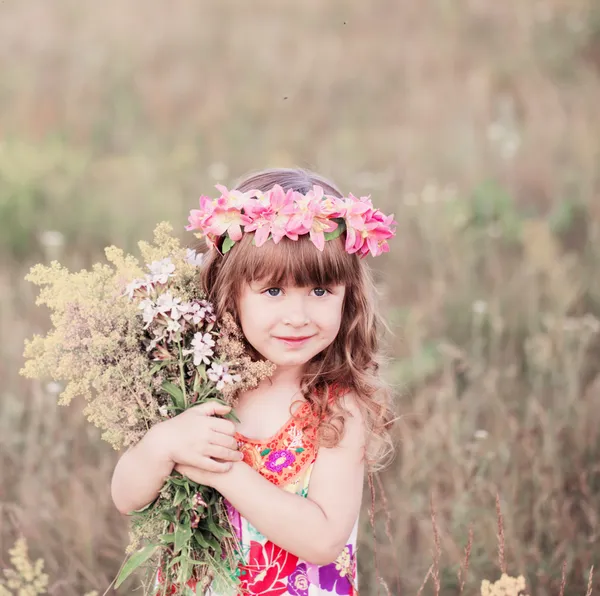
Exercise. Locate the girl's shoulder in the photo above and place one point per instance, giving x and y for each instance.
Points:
(337, 390)
(343, 395)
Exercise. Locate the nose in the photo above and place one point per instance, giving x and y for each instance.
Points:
(296, 313)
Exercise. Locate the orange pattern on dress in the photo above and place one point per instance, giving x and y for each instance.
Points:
(281, 458)
(284, 456)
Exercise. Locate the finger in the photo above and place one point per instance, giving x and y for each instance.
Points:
(212, 408)
(223, 440)
(183, 469)
(210, 465)
(225, 427)
(215, 451)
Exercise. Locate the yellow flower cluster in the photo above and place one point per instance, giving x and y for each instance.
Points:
(94, 343)
(27, 578)
(505, 586)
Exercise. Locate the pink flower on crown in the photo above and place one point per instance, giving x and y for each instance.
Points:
(233, 198)
(270, 218)
(355, 221)
(311, 214)
(227, 220)
(198, 217)
(218, 216)
(368, 232)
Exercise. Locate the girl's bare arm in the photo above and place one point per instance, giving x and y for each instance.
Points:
(140, 474)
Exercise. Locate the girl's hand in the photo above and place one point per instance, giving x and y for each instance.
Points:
(199, 439)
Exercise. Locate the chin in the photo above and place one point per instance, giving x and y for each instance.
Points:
(289, 361)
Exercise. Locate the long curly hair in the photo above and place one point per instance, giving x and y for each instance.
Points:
(353, 360)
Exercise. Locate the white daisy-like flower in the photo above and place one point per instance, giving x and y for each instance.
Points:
(137, 284)
(198, 311)
(202, 348)
(194, 258)
(219, 374)
(167, 303)
(160, 271)
(173, 326)
(149, 313)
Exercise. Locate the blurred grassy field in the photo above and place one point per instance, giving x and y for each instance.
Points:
(477, 123)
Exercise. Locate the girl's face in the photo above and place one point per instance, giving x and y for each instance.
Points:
(289, 325)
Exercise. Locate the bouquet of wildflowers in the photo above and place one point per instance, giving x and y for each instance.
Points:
(141, 348)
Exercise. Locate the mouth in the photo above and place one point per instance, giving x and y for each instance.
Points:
(294, 341)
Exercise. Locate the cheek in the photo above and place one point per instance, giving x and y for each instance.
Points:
(331, 322)
(254, 317)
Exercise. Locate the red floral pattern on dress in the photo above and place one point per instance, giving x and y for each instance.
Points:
(267, 570)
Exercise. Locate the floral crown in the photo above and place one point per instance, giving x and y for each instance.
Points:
(276, 214)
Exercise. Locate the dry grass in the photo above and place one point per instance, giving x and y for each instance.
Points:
(113, 117)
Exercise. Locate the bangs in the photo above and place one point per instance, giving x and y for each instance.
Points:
(295, 262)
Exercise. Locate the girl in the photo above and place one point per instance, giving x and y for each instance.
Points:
(292, 470)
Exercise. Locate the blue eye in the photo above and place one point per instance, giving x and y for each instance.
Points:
(273, 292)
(319, 290)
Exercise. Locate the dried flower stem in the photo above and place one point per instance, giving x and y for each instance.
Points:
(589, 586)
(464, 567)
(438, 550)
(563, 581)
(501, 559)
(182, 374)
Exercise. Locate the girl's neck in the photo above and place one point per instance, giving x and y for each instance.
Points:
(284, 384)
(283, 377)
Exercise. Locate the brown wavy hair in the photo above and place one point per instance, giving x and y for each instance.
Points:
(352, 361)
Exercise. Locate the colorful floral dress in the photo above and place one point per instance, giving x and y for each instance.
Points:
(287, 460)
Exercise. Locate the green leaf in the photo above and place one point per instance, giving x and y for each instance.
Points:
(175, 561)
(338, 231)
(299, 450)
(183, 533)
(185, 571)
(135, 561)
(227, 244)
(231, 415)
(218, 550)
(221, 533)
(217, 531)
(167, 538)
(265, 452)
(180, 495)
(175, 392)
(169, 515)
(139, 512)
(199, 538)
(160, 365)
(202, 371)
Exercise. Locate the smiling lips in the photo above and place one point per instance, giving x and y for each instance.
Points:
(294, 341)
